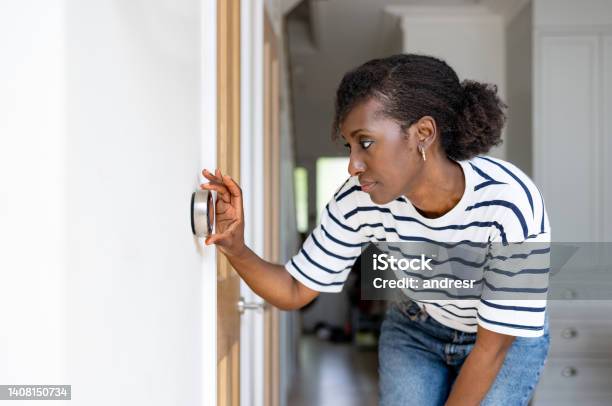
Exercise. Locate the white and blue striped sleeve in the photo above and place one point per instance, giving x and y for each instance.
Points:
(513, 300)
(328, 254)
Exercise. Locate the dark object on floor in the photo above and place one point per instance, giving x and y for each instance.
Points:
(366, 315)
(331, 333)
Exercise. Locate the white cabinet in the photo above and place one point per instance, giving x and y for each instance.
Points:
(567, 134)
(572, 87)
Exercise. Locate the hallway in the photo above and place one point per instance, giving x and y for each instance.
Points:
(334, 374)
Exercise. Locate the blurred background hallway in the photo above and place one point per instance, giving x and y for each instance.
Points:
(338, 374)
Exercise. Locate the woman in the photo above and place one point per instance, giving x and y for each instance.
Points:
(416, 136)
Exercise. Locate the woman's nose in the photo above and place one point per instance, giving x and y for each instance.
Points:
(355, 166)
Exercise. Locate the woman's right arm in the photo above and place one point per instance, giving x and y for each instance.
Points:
(270, 281)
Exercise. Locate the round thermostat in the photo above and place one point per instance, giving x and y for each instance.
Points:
(202, 213)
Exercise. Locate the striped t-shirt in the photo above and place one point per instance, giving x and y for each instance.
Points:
(500, 204)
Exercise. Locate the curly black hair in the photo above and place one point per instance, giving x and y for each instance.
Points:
(469, 115)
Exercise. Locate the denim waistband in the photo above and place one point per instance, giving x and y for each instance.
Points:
(422, 320)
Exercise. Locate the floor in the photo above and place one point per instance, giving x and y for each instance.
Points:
(334, 374)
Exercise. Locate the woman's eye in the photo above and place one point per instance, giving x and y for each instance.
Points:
(364, 144)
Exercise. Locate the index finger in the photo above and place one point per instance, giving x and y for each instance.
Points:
(220, 188)
(209, 175)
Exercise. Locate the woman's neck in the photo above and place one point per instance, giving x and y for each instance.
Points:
(439, 188)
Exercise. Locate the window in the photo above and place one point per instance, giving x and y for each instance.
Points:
(331, 173)
(300, 182)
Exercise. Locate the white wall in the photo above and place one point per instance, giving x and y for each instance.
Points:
(33, 193)
(133, 155)
(590, 13)
(101, 281)
(469, 38)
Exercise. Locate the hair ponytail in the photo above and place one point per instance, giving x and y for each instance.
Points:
(479, 121)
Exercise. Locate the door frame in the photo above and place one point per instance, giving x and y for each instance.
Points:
(228, 160)
(252, 336)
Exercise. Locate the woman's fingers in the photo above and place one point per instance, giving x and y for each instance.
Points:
(218, 177)
(232, 186)
(211, 177)
(236, 193)
(206, 173)
(218, 237)
(219, 188)
(212, 239)
(225, 186)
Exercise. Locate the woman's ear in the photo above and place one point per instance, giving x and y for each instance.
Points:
(426, 131)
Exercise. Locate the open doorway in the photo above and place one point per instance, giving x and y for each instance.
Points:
(337, 349)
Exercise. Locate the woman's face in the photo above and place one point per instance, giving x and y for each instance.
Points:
(384, 157)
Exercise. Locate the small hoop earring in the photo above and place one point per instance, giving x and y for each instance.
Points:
(423, 153)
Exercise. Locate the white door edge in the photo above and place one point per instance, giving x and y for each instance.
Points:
(251, 176)
(208, 154)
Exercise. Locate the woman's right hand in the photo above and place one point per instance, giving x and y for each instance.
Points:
(270, 281)
(229, 214)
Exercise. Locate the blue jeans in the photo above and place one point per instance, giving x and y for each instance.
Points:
(419, 359)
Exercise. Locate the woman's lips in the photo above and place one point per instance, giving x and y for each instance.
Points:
(367, 187)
